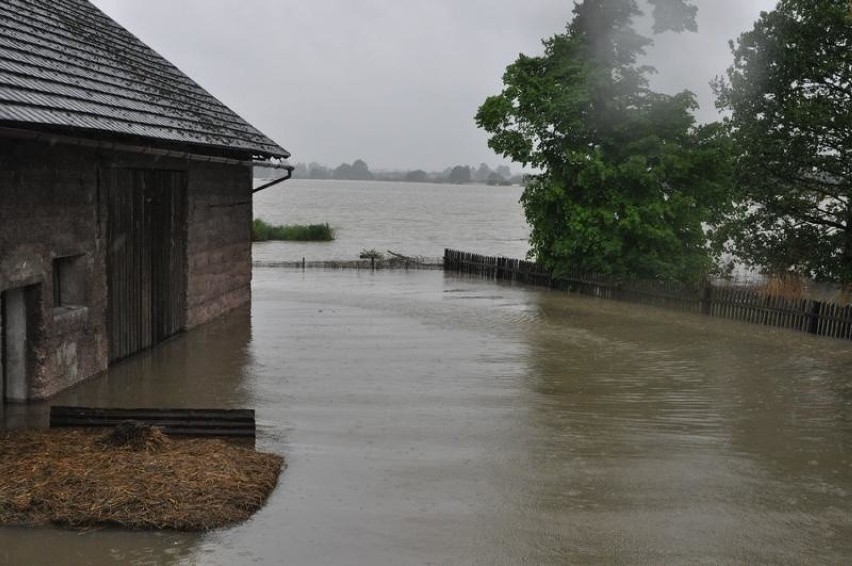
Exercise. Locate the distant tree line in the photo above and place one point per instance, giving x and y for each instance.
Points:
(360, 171)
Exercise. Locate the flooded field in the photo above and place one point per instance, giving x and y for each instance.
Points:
(415, 219)
(433, 419)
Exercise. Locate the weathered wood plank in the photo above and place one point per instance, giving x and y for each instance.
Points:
(187, 422)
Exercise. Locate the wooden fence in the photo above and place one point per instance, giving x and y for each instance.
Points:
(735, 303)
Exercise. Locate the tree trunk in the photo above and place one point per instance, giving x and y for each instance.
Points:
(846, 267)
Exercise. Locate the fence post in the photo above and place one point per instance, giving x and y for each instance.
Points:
(707, 298)
(813, 327)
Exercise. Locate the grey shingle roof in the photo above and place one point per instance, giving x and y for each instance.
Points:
(65, 65)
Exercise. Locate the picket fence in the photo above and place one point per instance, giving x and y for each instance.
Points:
(745, 304)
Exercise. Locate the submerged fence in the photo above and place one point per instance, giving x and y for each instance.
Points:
(735, 303)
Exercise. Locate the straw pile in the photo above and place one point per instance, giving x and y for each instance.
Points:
(139, 479)
(135, 436)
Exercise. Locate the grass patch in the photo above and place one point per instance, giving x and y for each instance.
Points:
(262, 232)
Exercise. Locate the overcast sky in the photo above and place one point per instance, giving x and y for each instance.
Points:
(393, 82)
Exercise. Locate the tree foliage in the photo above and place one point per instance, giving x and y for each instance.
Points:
(626, 179)
(358, 171)
(460, 175)
(790, 96)
(417, 176)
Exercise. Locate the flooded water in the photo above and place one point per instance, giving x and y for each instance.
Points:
(433, 419)
(415, 219)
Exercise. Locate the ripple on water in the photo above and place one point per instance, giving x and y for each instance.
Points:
(513, 426)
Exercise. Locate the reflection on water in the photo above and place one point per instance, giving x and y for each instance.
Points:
(34, 547)
(688, 439)
(206, 367)
(436, 419)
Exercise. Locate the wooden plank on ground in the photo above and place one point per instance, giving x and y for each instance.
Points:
(175, 422)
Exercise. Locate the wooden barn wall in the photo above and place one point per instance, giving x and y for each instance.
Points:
(146, 258)
(53, 203)
(218, 240)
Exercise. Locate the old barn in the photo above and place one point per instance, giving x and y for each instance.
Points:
(125, 197)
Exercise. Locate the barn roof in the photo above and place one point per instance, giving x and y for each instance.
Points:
(67, 67)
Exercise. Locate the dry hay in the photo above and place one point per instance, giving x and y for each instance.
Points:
(136, 436)
(80, 478)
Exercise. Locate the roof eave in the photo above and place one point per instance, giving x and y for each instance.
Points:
(256, 153)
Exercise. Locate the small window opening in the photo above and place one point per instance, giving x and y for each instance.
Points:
(69, 281)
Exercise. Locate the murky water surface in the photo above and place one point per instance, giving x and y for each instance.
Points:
(433, 419)
(415, 219)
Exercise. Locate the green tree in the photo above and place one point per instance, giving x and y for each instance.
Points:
(626, 179)
(343, 171)
(496, 178)
(790, 96)
(358, 171)
(317, 171)
(361, 171)
(460, 175)
(482, 173)
(417, 176)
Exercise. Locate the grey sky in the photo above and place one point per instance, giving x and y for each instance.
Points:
(393, 82)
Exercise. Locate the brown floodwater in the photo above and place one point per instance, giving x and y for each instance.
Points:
(434, 419)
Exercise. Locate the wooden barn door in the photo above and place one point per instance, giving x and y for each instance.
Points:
(146, 274)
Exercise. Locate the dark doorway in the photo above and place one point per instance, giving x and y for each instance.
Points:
(146, 259)
(14, 343)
